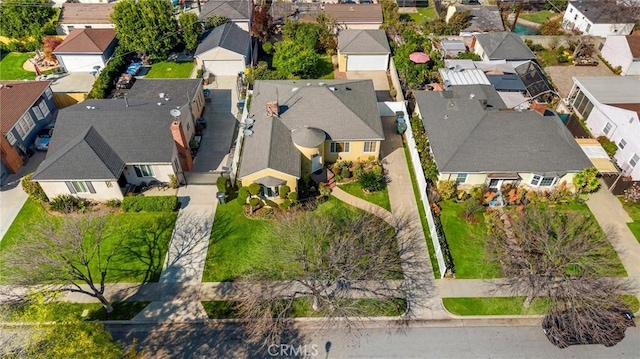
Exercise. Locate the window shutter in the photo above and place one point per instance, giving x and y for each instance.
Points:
(70, 187)
(90, 187)
(138, 173)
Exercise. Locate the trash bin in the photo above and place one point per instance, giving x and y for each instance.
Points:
(221, 197)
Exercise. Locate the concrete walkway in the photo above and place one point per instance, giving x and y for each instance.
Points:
(367, 206)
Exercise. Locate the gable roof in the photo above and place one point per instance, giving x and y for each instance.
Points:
(602, 12)
(98, 159)
(137, 130)
(94, 41)
(228, 36)
(466, 136)
(504, 45)
(16, 97)
(483, 18)
(281, 10)
(233, 10)
(270, 146)
(77, 13)
(363, 42)
(634, 45)
(355, 13)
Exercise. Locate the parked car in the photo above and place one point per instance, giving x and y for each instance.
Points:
(561, 333)
(43, 138)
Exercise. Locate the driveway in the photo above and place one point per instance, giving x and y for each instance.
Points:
(221, 125)
(380, 82)
(562, 75)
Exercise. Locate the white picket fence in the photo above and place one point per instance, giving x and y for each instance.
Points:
(239, 141)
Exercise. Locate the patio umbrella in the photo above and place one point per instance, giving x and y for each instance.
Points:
(419, 57)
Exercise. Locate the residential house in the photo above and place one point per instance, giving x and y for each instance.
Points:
(482, 18)
(624, 52)
(475, 140)
(25, 108)
(101, 147)
(501, 46)
(86, 50)
(596, 18)
(84, 16)
(611, 107)
(295, 11)
(237, 11)
(451, 48)
(226, 50)
(363, 50)
(355, 16)
(298, 126)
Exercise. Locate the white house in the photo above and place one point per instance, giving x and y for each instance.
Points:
(237, 11)
(355, 16)
(225, 51)
(86, 50)
(611, 106)
(592, 17)
(94, 15)
(623, 51)
(363, 50)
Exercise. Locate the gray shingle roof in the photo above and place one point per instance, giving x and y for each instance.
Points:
(228, 36)
(308, 137)
(270, 146)
(467, 137)
(504, 45)
(137, 133)
(363, 42)
(483, 18)
(87, 156)
(600, 12)
(234, 10)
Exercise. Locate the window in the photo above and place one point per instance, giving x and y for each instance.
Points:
(269, 192)
(80, 187)
(176, 165)
(339, 147)
(622, 144)
(370, 146)
(44, 108)
(575, 17)
(11, 138)
(48, 90)
(607, 128)
(24, 125)
(540, 181)
(70, 28)
(570, 10)
(143, 170)
(38, 113)
(461, 178)
(634, 159)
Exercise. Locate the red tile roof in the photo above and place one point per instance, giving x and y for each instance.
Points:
(634, 45)
(94, 41)
(16, 97)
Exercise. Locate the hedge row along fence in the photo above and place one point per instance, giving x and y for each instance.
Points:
(150, 204)
(105, 82)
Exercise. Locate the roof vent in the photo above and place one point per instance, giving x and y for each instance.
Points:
(295, 89)
(348, 88)
(321, 84)
(472, 96)
(161, 95)
(333, 89)
(352, 8)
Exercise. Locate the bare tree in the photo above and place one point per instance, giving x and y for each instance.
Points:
(551, 253)
(72, 255)
(332, 262)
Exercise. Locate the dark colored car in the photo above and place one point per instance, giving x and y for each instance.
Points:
(43, 138)
(561, 333)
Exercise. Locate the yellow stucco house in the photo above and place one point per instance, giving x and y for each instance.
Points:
(298, 126)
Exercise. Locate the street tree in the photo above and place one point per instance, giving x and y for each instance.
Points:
(24, 18)
(546, 252)
(190, 29)
(329, 261)
(73, 255)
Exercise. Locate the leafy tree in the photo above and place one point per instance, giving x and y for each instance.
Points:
(262, 27)
(147, 26)
(191, 30)
(263, 72)
(50, 43)
(23, 18)
(469, 56)
(551, 27)
(328, 28)
(294, 58)
(556, 5)
(457, 22)
(586, 181)
(215, 21)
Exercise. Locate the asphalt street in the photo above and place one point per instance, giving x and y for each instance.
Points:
(459, 342)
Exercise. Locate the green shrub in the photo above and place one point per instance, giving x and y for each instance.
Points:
(113, 203)
(286, 204)
(150, 203)
(477, 192)
(173, 181)
(33, 189)
(221, 182)
(63, 203)
(609, 146)
(106, 80)
(267, 47)
(199, 73)
(562, 58)
(254, 189)
(243, 193)
(293, 197)
(377, 169)
(345, 173)
(586, 181)
(324, 189)
(471, 206)
(372, 182)
(447, 189)
(255, 203)
(15, 46)
(284, 191)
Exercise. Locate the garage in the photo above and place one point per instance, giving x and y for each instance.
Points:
(224, 67)
(367, 62)
(80, 63)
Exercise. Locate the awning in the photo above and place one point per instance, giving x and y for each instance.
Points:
(597, 155)
(507, 176)
(270, 181)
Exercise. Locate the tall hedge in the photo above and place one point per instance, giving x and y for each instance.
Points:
(150, 204)
(106, 79)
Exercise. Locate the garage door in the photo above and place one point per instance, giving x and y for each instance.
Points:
(81, 63)
(224, 67)
(367, 63)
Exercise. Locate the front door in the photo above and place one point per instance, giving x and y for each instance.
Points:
(316, 163)
(495, 183)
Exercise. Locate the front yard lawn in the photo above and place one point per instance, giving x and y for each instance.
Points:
(146, 243)
(538, 17)
(170, 70)
(424, 13)
(380, 198)
(58, 311)
(11, 67)
(467, 243)
(634, 212)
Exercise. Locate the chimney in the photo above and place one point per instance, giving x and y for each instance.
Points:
(272, 109)
(10, 156)
(186, 162)
(540, 107)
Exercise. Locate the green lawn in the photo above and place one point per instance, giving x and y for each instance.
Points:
(634, 212)
(380, 198)
(146, 243)
(326, 68)
(467, 243)
(538, 17)
(170, 70)
(239, 244)
(424, 13)
(11, 67)
(58, 311)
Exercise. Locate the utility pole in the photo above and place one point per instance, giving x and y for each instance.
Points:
(515, 20)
